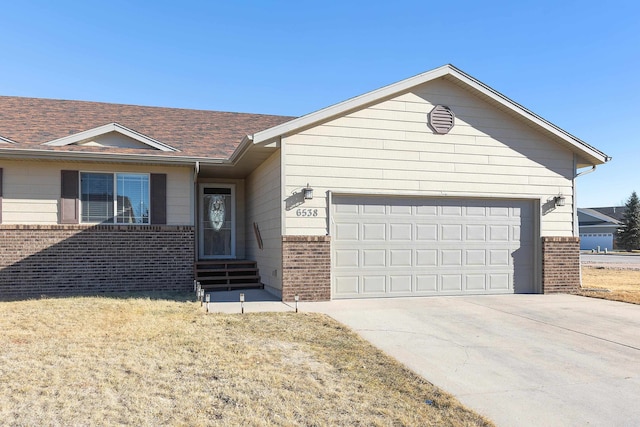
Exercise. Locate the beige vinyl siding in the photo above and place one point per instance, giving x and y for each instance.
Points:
(264, 206)
(32, 189)
(388, 148)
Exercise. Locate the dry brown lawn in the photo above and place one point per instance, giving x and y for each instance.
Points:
(623, 285)
(145, 361)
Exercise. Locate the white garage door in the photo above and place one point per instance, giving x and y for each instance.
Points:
(386, 247)
(590, 241)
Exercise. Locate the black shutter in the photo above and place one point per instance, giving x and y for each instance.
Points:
(0, 195)
(158, 196)
(69, 197)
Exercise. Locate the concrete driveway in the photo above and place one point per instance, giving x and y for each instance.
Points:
(521, 360)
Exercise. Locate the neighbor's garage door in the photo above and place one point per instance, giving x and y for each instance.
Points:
(385, 247)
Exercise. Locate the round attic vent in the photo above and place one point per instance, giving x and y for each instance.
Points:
(441, 119)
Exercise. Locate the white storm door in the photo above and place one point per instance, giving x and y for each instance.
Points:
(217, 228)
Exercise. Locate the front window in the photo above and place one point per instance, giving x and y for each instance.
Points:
(126, 194)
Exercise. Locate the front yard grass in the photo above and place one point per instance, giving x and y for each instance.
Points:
(147, 361)
(622, 285)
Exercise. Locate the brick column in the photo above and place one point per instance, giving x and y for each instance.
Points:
(306, 268)
(560, 265)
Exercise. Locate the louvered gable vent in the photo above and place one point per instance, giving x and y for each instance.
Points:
(441, 119)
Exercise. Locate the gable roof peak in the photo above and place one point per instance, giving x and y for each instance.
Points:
(108, 128)
(449, 71)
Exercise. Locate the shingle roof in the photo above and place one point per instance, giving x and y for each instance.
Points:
(30, 122)
(615, 212)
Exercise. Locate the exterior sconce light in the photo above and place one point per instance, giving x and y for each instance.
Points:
(308, 192)
(559, 200)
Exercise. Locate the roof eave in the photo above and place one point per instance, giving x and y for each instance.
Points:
(35, 154)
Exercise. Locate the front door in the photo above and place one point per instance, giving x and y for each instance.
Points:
(217, 233)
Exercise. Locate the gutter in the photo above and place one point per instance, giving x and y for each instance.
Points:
(21, 153)
(593, 169)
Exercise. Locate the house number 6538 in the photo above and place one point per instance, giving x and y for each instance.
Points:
(306, 212)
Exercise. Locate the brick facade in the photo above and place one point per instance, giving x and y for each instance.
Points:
(38, 260)
(306, 268)
(560, 265)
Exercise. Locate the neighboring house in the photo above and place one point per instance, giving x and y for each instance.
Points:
(599, 226)
(436, 185)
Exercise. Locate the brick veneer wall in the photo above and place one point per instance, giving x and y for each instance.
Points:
(306, 268)
(40, 260)
(560, 265)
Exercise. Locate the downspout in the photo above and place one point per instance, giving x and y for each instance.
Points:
(194, 216)
(576, 225)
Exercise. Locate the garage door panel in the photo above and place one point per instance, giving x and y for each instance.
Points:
(479, 211)
(374, 284)
(374, 258)
(500, 212)
(373, 231)
(346, 208)
(475, 282)
(347, 258)
(426, 283)
(452, 257)
(400, 232)
(426, 257)
(499, 257)
(451, 211)
(476, 257)
(400, 258)
(428, 211)
(499, 233)
(347, 285)
(427, 232)
(451, 282)
(399, 284)
(499, 281)
(373, 209)
(348, 231)
(475, 232)
(400, 210)
(404, 247)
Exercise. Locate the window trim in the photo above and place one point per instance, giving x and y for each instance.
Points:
(115, 197)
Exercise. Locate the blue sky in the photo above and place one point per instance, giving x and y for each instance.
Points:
(575, 63)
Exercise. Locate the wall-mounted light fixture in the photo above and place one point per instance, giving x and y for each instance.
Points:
(559, 200)
(308, 192)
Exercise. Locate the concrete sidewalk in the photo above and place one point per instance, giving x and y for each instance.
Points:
(256, 301)
(521, 360)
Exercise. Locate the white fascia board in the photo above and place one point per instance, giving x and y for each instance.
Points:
(241, 148)
(21, 153)
(3, 139)
(528, 114)
(405, 85)
(111, 127)
(612, 226)
(598, 215)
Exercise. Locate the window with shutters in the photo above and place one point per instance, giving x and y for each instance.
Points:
(114, 198)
